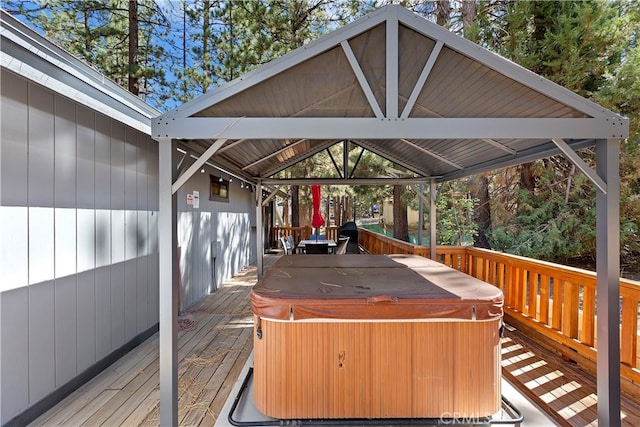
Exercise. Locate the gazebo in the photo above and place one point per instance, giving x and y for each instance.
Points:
(410, 91)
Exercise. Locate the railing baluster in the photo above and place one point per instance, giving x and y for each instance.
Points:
(570, 300)
(556, 309)
(532, 297)
(629, 330)
(588, 316)
(544, 299)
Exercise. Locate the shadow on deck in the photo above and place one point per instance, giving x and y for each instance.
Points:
(217, 341)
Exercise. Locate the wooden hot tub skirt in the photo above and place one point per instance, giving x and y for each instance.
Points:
(377, 369)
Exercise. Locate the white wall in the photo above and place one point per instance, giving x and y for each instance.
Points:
(78, 239)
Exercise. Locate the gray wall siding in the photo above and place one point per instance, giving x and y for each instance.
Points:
(78, 239)
(232, 224)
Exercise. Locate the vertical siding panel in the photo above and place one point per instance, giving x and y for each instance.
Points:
(142, 232)
(85, 175)
(141, 307)
(41, 244)
(40, 147)
(103, 312)
(86, 239)
(103, 233)
(117, 193)
(14, 248)
(65, 154)
(41, 335)
(117, 305)
(86, 195)
(65, 329)
(65, 242)
(130, 299)
(13, 138)
(86, 320)
(103, 191)
(41, 180)
(118, 234)
(130, 173)
(153, 301)
(103, 237)
(142, 193)
(152, 182)
(14, 363)
(102, 162)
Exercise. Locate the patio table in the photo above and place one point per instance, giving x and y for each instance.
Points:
(303, 243)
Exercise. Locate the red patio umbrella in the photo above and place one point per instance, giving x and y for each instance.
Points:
(317, 220)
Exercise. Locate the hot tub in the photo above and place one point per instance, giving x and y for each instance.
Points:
(374, 336)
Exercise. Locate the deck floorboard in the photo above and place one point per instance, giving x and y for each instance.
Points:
(212, 355)
(560, 388)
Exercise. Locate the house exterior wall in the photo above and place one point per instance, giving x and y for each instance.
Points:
(231, 224)
(78, 239)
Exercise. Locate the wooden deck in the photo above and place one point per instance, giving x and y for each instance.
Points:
(213, 353)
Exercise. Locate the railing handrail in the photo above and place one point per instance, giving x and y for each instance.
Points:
(551, 299)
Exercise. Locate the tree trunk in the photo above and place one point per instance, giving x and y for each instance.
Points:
(133, 47)
(468, 11)
(527, 177)
(443, 13)
(482, 211)
(206, 54)
(400, 222)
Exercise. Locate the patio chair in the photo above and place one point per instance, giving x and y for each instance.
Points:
(286, 247)
(317, 248)
(341, 247)
(292, 244)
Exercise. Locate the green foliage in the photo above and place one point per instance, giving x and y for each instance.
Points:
(454, 218)
(549, 225)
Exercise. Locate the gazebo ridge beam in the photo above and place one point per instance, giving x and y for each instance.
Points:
(374, 128)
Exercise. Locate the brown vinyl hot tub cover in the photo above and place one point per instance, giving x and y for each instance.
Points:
(371, 287)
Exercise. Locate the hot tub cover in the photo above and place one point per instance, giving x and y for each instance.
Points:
(371, 287)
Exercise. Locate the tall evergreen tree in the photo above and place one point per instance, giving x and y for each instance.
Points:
(121, 38)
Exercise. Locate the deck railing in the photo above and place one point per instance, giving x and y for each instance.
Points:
(555, 302)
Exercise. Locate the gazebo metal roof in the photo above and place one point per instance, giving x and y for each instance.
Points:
(413, 92)
(399, 86)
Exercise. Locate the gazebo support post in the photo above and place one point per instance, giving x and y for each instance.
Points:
(420, 213)
(168, 292)
(432, 219)
(259, 228)
(608, 282)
